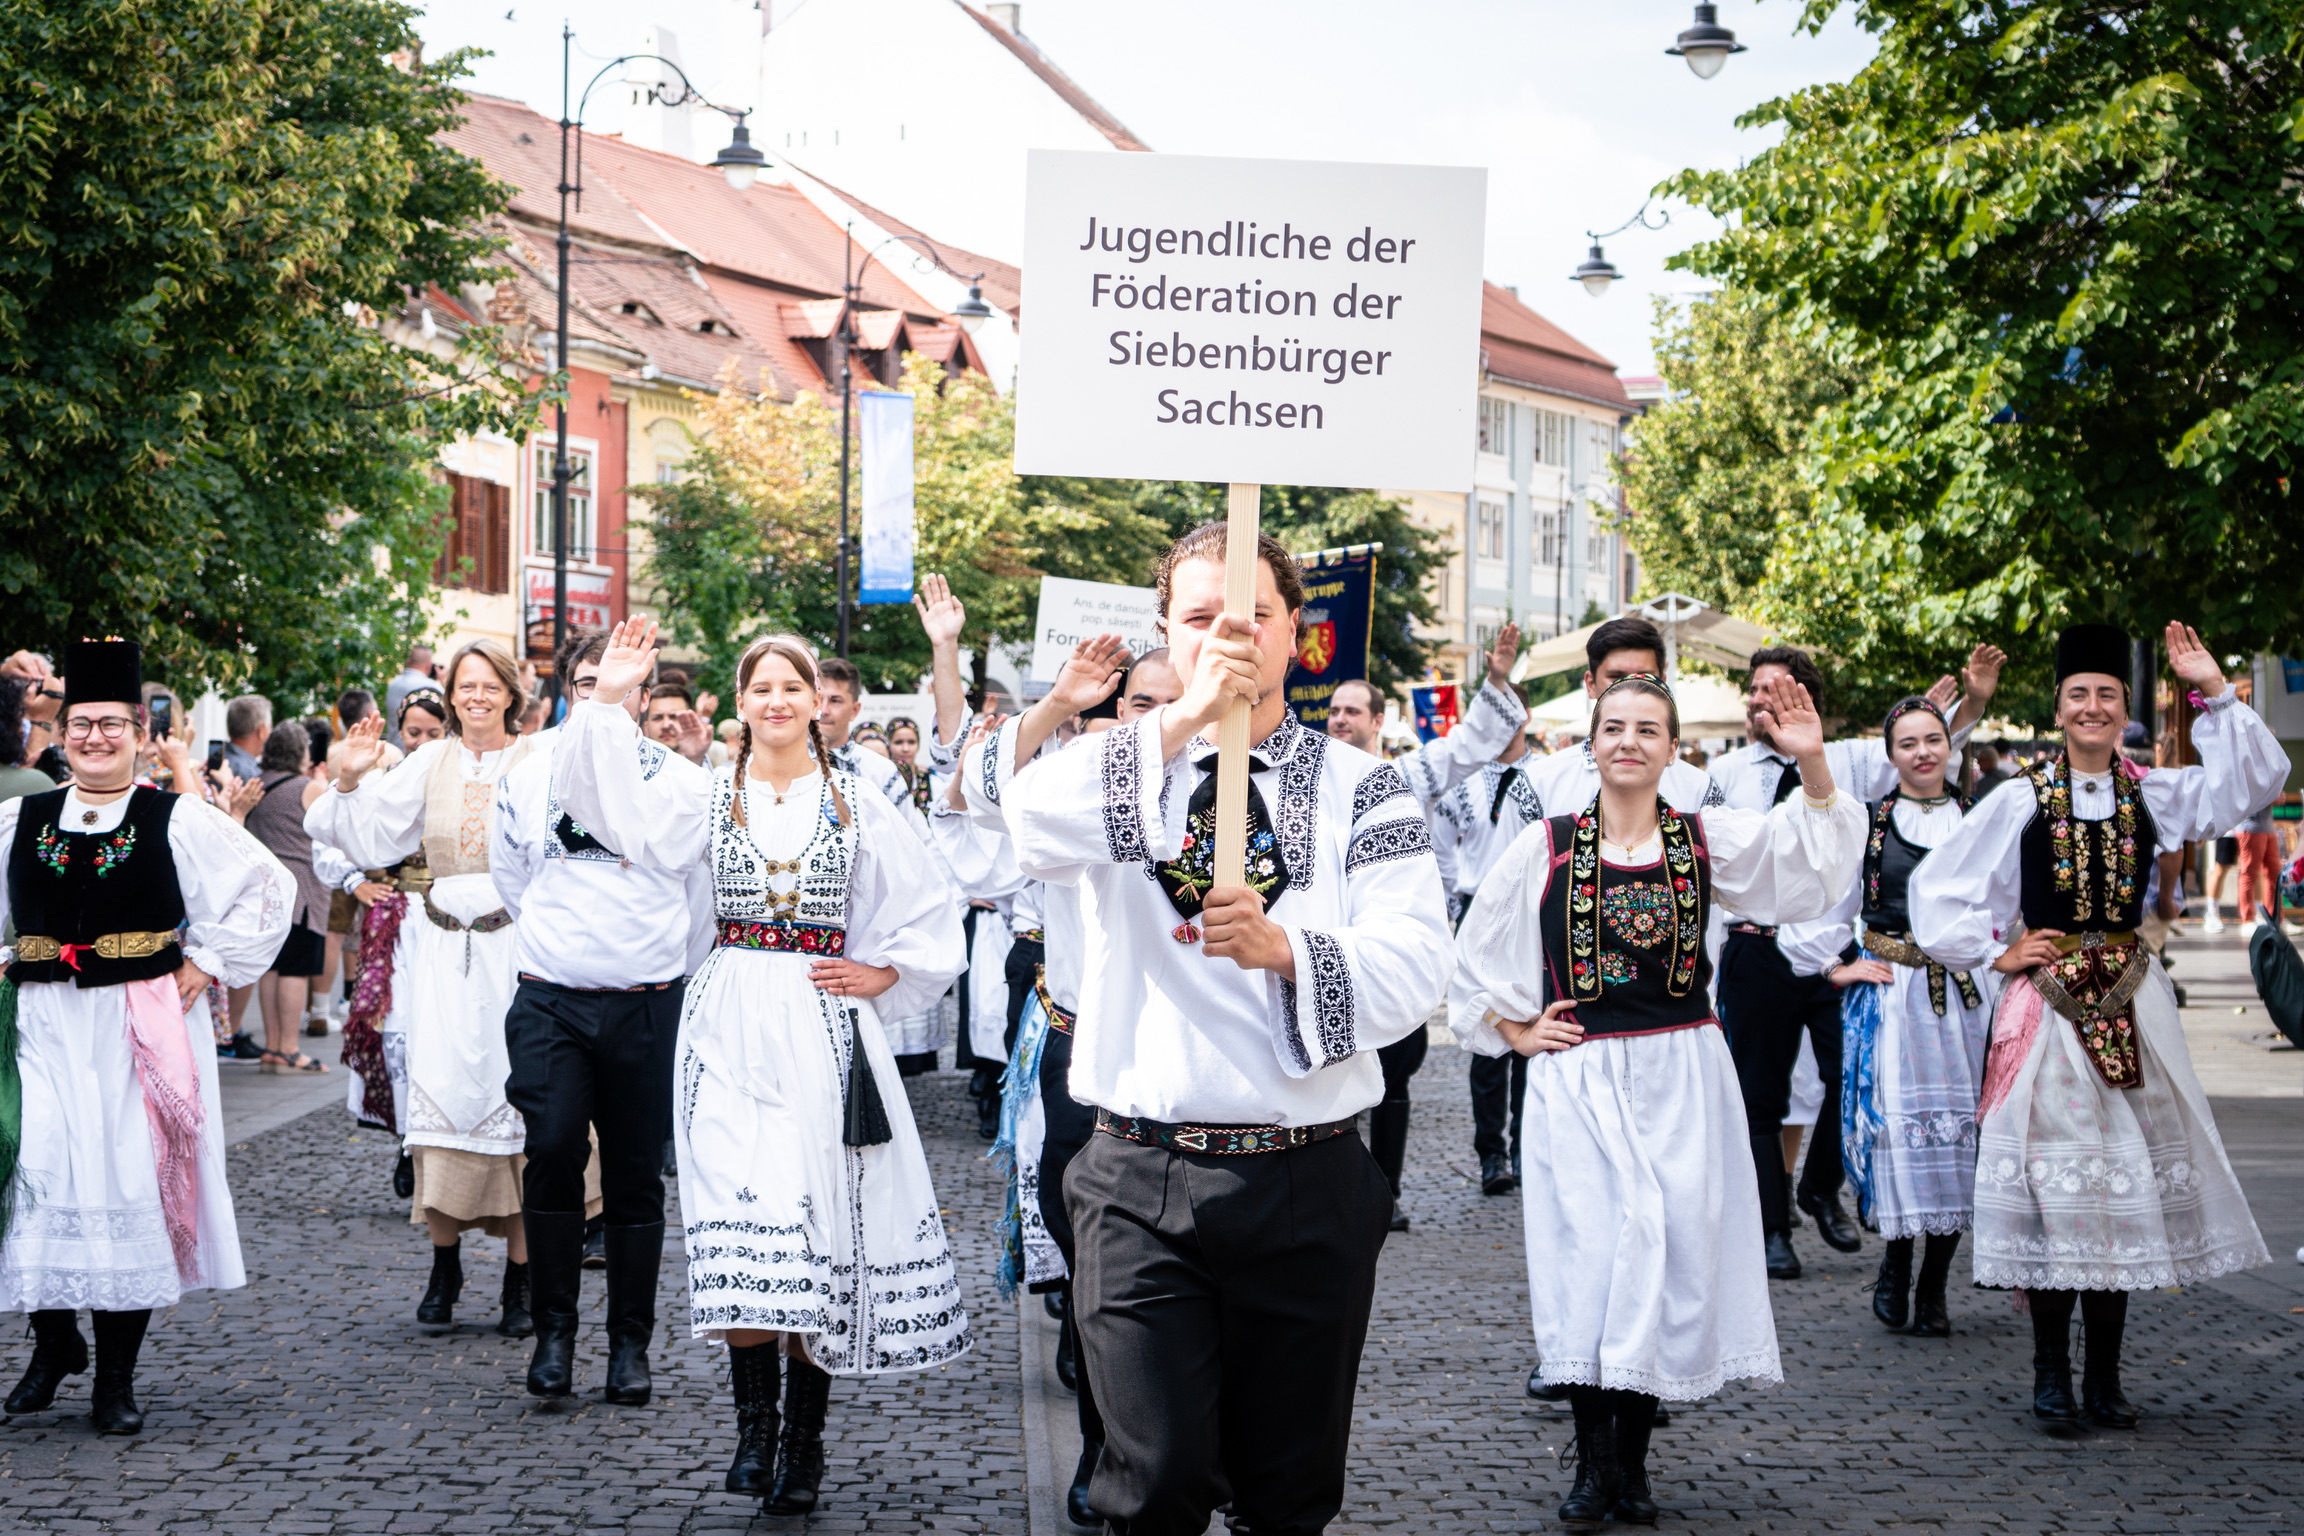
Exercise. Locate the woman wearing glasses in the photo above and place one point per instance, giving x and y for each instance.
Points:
(127, 902)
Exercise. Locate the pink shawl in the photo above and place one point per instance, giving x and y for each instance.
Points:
(172, 1104)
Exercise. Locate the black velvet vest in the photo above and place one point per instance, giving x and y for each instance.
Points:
(74, 887)
(2085, 876)
(1888, 864)
(1647, 951)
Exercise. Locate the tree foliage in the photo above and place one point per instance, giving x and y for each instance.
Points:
(745, 544)
(2052, 246)
(205, 440)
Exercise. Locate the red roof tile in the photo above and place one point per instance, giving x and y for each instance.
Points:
(1520, 346)
(1003, 281)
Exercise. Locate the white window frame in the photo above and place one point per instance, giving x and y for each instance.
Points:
(583, 498)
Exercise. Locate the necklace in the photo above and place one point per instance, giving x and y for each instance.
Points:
(1928, 805)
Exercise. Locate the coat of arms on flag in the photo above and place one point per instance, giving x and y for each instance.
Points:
(1318, 646)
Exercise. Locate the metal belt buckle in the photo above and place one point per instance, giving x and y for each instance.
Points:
(2091, 940)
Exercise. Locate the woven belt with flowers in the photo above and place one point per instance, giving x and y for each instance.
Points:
(1217, 1140)
(790, 938)
(2092, 982)
(1058, 1019)
(1902, 951)
(34, 948)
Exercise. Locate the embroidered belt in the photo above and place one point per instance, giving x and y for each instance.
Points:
(1058, 1020)
(486, 923)
(2092, 983)
(1217, 1140)
(33, 948)
(1755, 929)
(1902, 951)
(788, 937)
(1036, 935)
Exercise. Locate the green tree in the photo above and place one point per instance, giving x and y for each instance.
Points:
(2054, 248)
(205, 439)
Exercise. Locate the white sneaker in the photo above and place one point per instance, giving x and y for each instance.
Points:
(2248, 929)
(2212, 923)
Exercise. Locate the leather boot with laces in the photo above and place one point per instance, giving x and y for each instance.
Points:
(58, 1351)
(1592, 1497)
(752, 1373)
(800, 1452)
(516, 1323)
(1891, 1288)
(1635, 1417)
(436, 1313)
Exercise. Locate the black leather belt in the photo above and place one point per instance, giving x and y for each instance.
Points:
(1217, 1140)
(1754, 929)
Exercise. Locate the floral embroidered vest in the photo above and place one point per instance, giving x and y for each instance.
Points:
(76, 887)
(1628, 943)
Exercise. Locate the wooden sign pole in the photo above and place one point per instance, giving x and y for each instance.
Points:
(1241, 524)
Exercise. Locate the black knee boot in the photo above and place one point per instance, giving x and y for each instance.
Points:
(2052, 1356)
(800, 1455)
(58, 1351)
(516, 1323)
(634, 1253)
(1076, 1503)
(555, 1278)
(119, 1339)
(752, 1373)
(1068, 1352)
(1891, 1288)
(1775, 1205)
(1931, 1319)
(1635, 1417)
(1592, 1498)
(437, 1311)
(2103, 1319)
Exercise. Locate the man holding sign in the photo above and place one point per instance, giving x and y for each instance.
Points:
(1228, 1217)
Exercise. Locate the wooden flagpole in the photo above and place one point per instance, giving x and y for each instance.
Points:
(1241, 525)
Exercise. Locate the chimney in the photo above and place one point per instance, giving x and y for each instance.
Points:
(1010, 17)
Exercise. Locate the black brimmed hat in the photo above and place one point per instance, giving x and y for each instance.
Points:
(103, 672)
(2093, 648)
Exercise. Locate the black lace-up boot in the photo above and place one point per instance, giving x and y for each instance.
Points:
(800, 1454)
(58, 1351)
(1592, 1498)
(436, 1313)
(1892, 1287)
(752, 1371)
(1931, 1318)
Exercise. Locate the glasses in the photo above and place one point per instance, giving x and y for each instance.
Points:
(113, 727)
(582, 686)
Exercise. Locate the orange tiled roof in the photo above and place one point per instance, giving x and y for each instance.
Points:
(1520, 346)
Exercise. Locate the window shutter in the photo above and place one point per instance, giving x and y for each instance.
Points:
(499, 522)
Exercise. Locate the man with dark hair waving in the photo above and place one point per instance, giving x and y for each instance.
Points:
(1227, 1217)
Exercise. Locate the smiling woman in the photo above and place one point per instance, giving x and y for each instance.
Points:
(1584, 951)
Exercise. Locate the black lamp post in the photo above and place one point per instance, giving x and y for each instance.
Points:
(1596, 271)
(740, 163)
(1706, 44)
(969, 315)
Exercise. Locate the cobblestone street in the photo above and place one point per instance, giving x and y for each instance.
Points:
(309, 1402)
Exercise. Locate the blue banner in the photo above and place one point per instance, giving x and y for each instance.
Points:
(1339, 609)
(884, 426)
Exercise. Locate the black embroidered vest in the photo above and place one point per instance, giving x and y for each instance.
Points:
(75, 887)
(1888, 864)
(1636, 933)
(2085, 876)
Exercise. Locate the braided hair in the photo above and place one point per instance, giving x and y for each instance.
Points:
(797, 653)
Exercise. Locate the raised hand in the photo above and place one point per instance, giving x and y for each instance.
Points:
(1789, 719)
(1090, 673)
(1981, 677)
(363, 750)
(1500, 659)
(691, 737)
(940, 612)
(707, 705)
(628, 661)
(2193, 661)
(1941, 694)
(244, 796)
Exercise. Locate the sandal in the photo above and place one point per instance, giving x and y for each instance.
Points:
(281, 1061)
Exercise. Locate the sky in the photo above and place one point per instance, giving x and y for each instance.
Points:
(1572, 105)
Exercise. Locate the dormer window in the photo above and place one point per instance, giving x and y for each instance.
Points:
(641, 311)
(710, 327)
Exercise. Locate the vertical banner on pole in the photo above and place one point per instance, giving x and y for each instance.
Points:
(1332, 644)
(884, 426)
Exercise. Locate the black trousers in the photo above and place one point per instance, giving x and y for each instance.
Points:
(1069, 1124)
(1025, 957)
(1222, 1305)
(1763, 1010)
(584, 1060)
(1388, 1121)
(1496, 1085)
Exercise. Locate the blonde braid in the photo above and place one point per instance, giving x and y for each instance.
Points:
(743, 760)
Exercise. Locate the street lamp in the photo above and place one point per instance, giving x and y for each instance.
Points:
(1596, 271)
(740, 163)
(969, 314)
(1706, 44)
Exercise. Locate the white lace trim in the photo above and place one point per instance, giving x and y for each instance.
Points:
(1761, 1365)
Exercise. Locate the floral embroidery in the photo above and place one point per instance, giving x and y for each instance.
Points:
(114, 850)
(2076, 852)
(1192, 873)
(1585, 973)
(790, 937)
(1617, 968)
(52, 849)
(1639, 913)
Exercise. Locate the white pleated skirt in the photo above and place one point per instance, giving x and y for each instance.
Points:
(1927, 1070)
(786, 1228)
(1646, 1270)
(2081, 1186)
(86, 1228)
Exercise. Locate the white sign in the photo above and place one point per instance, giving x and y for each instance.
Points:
(1265, 321)
(1073, 611)
(884, 429)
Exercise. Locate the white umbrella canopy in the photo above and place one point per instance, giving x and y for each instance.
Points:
(1710, 707)
(1693, 629)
